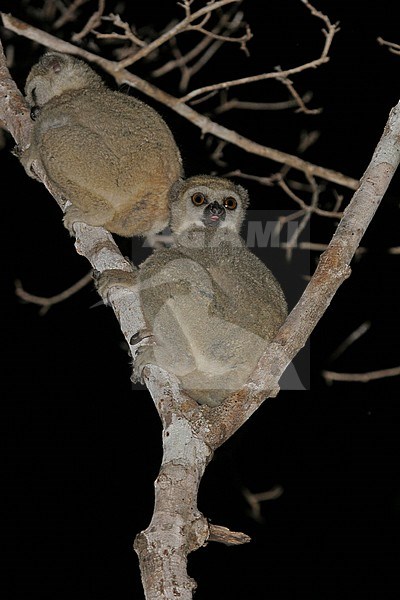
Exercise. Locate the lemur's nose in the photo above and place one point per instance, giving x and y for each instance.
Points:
(216, 208)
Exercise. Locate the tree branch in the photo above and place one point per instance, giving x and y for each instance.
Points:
(47, 302)
(205, 124)
(332, 270)
(282, 75)
(330, 376)
(191, 433)
(174, 31)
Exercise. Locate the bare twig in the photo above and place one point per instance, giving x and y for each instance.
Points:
(94, 21)
(353, 337)
(224, 38)
(394, 48)
(226, 536)
(339, 201)
(174, 31)
(332, 270)
(128, 35)
(181, 62)
(301, 107)
(254, 499)
(330, 376)
(330, 30)
(252, 79)
(235, 103)
(292, 242)
(279, 74)
(47, 302)
(314, 246)
(69, 13)
(46, 12)
(188, 72)
(205, 124)
(360, 250)
(279, 179)
(313, 207)
(191, 432)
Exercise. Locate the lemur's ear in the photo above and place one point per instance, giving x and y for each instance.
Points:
(174, 190)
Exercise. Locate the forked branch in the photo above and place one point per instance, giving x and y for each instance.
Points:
(192, 433)
(204, 123)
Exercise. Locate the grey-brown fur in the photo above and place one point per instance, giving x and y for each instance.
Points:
(210, 305)
(110, 154)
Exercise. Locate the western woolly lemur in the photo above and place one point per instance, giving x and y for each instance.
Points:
(110, 154)
(210, 305)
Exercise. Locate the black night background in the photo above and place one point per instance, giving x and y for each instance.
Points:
(83, 448)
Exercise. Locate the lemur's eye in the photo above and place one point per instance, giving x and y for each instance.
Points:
(230, 203)
(198, 199)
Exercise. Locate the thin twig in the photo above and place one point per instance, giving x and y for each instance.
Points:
(235, 103)
(301, 107)
(94, 21)
(224, 38)
(292, 242)
(330, 30)
(353, 337)
(252, 79)
(69, 14)
(191, 433)
(329, 34)
(313, 207)
(205, 124)
(278, 179)
(47, 302)
(330, 376)
(173, 32)
(188, 72)
(183, 60)
(128, 35)
(317, 247)
(394, 48)
(226, 536)
(254, 499)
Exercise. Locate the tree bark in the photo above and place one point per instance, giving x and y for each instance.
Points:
(191, 433)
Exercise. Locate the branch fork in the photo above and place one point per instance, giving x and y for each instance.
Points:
(192, 433)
